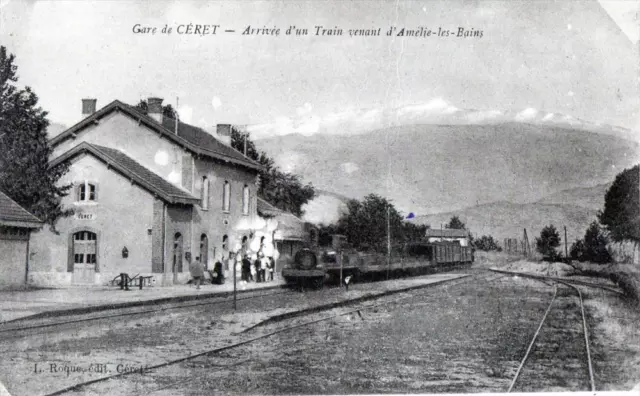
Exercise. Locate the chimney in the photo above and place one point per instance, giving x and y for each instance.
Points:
(223, 132)
(88, 107)
(154, 109)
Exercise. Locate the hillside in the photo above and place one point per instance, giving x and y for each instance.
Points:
(440, 168)
(588, 197)
(507, 220)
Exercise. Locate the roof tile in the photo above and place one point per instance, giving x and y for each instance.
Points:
(157, 182)
(11, 212)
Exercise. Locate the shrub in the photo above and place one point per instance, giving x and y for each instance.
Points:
(486, 243)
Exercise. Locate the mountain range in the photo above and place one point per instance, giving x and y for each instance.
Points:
(427, 169)
(499, 178)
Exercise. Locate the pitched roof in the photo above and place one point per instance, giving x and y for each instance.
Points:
(190, 137)
(447, 233)
(133, 170)
(14, 215)
(266, 209)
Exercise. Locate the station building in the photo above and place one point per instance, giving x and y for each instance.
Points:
(150, 194)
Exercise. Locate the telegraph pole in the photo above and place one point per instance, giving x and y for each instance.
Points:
(566, 254)
(234, 263)
(388, 242)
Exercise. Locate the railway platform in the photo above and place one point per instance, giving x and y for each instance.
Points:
(34, 303)
(48, 303)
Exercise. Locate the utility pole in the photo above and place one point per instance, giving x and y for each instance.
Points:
(566, 254)
(175, 112)
(234, 282)
(388, 242)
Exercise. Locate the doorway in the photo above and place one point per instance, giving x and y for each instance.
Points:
(177, 256)
(85, 257)
(204, 250)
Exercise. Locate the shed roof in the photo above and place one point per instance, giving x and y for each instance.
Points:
(290, 227)
(133, 170)
(447, 233)
(14, 215)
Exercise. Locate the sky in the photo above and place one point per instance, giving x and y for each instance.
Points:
(537, 61)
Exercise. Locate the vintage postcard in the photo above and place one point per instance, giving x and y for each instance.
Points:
(319, 197)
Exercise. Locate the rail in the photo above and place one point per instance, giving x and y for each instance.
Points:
(535, 336)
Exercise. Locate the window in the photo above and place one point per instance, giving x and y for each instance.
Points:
(245, 200)
(204, 194)
(226, 197)
(86, 192)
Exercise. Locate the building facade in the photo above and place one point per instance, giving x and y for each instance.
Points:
(16, 225)
(150, 195)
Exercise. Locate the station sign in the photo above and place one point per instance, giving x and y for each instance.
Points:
(85, 216)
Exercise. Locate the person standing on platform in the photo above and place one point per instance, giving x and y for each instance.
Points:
(271, 267)
(197, 272)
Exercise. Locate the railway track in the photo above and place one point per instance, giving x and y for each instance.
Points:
(295, 323)
(561, 336)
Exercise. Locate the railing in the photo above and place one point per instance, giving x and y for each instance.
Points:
(125, 281)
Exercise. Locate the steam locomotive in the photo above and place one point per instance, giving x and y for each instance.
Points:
(315, 265)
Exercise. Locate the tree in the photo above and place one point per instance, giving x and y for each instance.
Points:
(487, 243)
(366, 228)
(282, 189)
(577, 250)
(455, 223)
(167, 110)
(548, 242)
(621, 214)
(25, 174)
(595, 245)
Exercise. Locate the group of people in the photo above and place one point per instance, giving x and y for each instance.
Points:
(250, 266)
(260, 269)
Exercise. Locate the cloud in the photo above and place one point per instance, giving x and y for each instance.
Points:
(548, 117)
(353, 121)
(527, 114)
(435, 106)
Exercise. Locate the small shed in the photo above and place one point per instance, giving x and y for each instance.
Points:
(16, 224)
(448, 235)
(291, 235)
